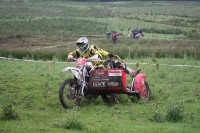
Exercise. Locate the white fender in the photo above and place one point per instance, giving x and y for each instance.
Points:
(74, 70)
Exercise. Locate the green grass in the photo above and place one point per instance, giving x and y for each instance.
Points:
(166, 31)
(161, 20)
(65, 18)
(32, 90)
(125, 48)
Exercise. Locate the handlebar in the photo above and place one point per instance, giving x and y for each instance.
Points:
(118, 58)
(75, 59)
(114, 55)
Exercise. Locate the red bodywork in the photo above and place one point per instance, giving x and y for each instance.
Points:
(139, 84)
(109, 80)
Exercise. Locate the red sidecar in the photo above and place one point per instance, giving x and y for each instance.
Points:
(114, 81)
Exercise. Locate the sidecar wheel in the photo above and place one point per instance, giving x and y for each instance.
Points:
(108, 97)
(145, 93)
(67, 99)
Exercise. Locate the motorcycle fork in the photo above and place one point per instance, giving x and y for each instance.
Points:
(82, 83)
(81, 90)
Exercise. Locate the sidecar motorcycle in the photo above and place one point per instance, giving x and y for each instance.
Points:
(100, 82)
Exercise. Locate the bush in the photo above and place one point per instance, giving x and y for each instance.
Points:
(193, 35)
(157, 117)
(9, 114)
(159, 53)
(74, 124)
(174, 112)
(163, 31)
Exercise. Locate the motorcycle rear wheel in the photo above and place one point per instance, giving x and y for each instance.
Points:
(67, 99)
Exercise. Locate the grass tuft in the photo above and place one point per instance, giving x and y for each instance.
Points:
(74, 124)
(175, 112)
(9, 114)
(157, 117)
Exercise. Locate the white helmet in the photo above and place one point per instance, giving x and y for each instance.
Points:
(82, 44)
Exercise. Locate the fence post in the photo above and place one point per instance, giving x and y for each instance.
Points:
(49, 65)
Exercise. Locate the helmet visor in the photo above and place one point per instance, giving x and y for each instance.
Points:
(80, 45)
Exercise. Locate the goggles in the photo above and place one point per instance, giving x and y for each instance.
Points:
(80, 45)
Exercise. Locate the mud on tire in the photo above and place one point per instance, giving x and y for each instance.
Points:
(64, 92)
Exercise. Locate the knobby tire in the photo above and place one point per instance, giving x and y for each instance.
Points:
(64, 88)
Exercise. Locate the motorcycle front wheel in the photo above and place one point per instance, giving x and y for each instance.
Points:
(67, 94)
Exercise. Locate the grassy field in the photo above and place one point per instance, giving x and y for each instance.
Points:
(64, 18)
(27, 27)
(168, 53)
(32, 91)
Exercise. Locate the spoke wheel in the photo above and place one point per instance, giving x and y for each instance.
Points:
(145, 92)
(67, 94)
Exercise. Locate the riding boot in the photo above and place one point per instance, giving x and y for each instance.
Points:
(127, 69)
(133, 73)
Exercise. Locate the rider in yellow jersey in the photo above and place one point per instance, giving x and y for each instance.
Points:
(94, 52)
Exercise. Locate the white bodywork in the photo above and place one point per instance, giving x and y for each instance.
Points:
(75, 71)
